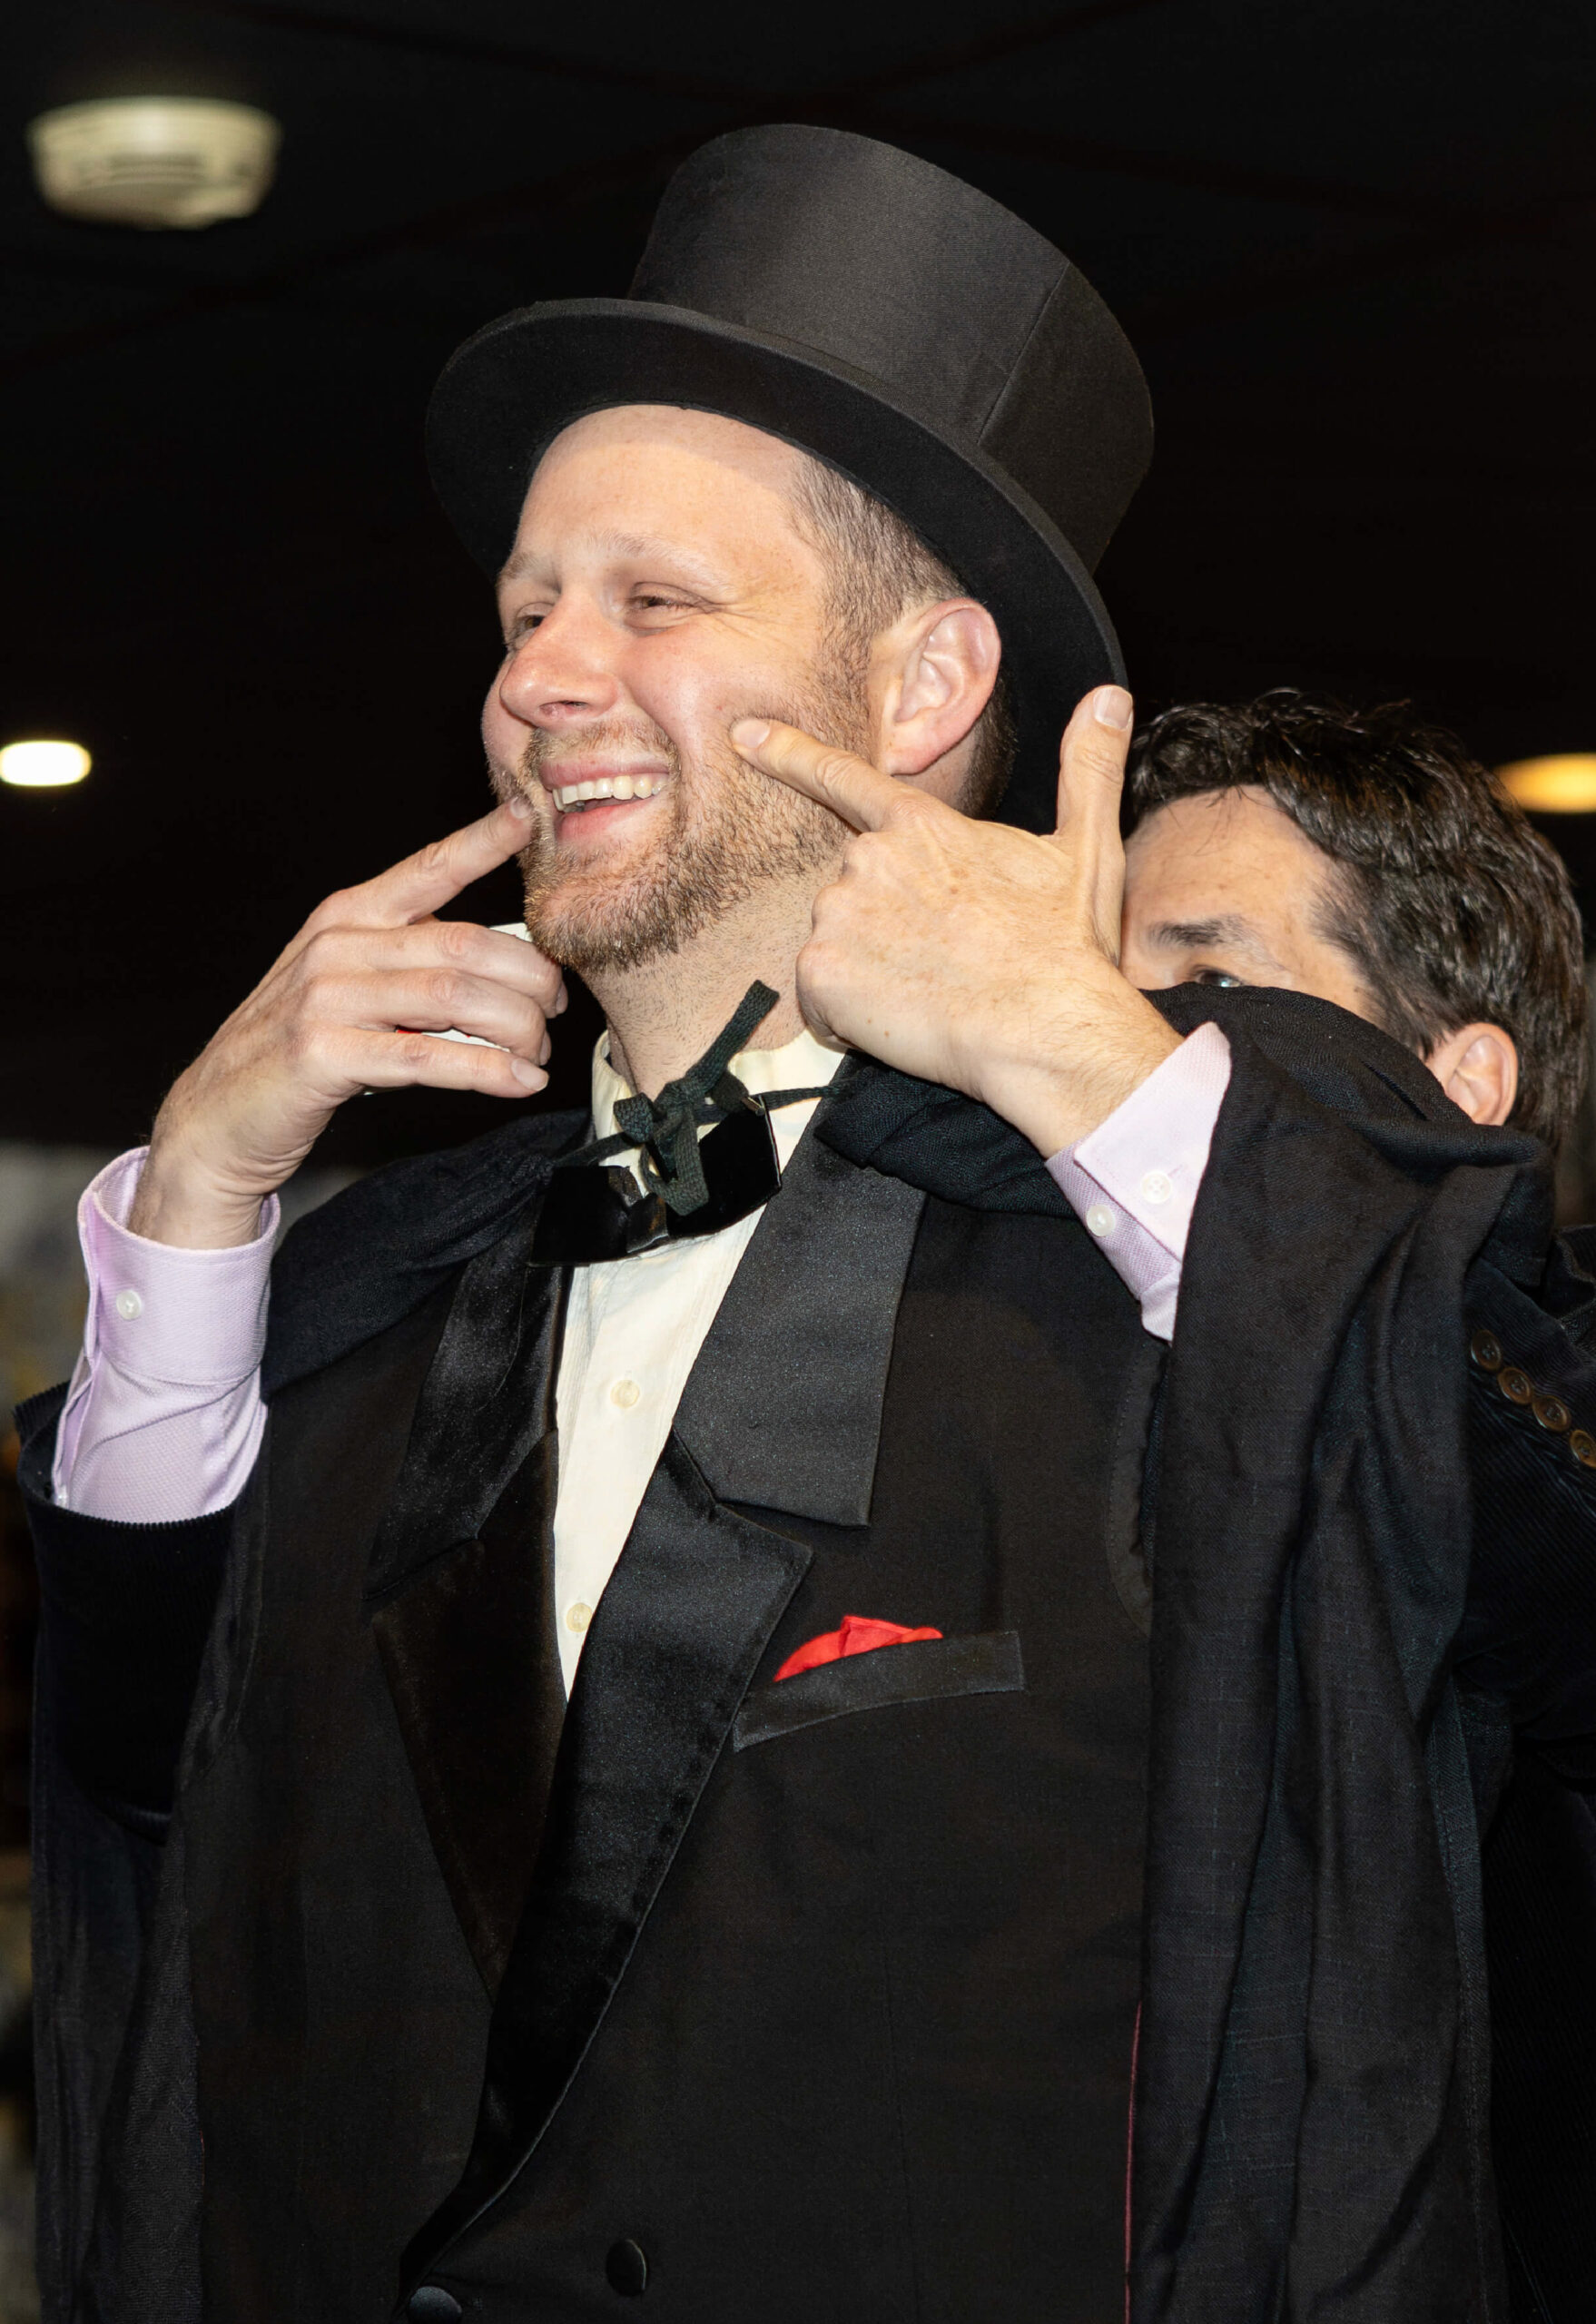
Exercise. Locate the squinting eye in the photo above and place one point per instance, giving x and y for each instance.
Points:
(1220, 977)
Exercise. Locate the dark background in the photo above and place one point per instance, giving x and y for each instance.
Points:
(1354, 245)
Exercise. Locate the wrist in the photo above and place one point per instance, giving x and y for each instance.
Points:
(1075, 1074)
(178, 1202)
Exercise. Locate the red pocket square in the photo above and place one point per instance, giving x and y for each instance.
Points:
(858, 1635)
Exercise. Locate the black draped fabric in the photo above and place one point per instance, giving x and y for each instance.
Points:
(1351, 1610)
(1312, 2132)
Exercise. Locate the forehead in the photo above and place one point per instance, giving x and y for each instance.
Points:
(1219, 850)
(647, 474)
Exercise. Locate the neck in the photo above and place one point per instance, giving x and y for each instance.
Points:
(662, 1017)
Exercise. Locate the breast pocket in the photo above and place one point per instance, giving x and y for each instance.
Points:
(987, 1663)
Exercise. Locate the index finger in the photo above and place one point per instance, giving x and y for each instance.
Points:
(410, 890)
(851, 787)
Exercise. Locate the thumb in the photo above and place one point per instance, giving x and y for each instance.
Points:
(1091, 778)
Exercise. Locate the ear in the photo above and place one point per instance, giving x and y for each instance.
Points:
(1478, 1067)
(933, 676)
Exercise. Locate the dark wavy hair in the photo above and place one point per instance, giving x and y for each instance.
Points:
(1447, 901)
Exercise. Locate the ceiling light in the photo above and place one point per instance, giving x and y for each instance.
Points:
(153, 161)
(43, 766)
(1556, 786)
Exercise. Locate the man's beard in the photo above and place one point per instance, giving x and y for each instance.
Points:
(727, 832)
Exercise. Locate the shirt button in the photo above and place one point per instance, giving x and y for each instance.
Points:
(129, 1304)
(1156, 1187)
(625, 1393)
(577, 1617)
(1100, 1220)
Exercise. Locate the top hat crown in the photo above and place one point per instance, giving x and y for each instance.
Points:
(909, 330)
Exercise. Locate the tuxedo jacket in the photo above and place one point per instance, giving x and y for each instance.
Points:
(377, 1979)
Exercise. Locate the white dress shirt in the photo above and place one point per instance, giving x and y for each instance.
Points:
(633, 1328)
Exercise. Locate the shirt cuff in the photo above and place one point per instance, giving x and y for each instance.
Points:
(1134, 1180)
(159, 1312)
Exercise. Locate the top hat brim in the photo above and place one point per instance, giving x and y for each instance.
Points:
(510, 390)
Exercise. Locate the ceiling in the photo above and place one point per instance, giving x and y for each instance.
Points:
(1354, 244)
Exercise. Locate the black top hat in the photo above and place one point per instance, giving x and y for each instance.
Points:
(911, 331)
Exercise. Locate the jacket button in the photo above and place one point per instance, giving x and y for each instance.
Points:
(627, 2267)
(430, 2304)
(1583, 1445)
(1485, 1351)
(1551, 1413)
(1515, 1385)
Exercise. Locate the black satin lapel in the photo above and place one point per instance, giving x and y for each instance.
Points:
(488, 1399)
(782, 1410)
(469, 1647)
(460, 1590)
(677, 1637)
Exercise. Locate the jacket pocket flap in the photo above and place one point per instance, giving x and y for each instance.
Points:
(988, 1663)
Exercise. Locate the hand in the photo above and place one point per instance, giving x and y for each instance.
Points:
(353, 1004)
(974, 954)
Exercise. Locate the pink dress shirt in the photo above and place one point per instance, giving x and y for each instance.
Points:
(163, 1417)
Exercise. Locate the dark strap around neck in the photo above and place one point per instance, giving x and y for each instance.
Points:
(666, 1128)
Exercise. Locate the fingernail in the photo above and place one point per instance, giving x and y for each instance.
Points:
(527, 1073)
(749, 734)
(520, 804)
(1112, 706)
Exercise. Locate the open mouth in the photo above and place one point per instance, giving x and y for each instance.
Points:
(571, 797)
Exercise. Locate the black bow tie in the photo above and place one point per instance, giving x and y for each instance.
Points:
(692, 1185)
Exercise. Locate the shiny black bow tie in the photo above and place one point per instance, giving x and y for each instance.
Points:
(692, 1185)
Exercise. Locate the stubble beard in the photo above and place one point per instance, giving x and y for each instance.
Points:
(723, 831)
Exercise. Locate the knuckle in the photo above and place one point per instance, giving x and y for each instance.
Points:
(445, 989)
(332, 911)
(316, 959)
(457, 939)
(414, 1051)
(315, 1002)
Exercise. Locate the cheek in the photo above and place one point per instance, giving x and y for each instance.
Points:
(693, 683)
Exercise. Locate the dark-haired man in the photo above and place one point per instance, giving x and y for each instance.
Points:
(1367, 857)
(607, 1753)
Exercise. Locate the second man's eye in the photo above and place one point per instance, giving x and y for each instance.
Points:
(1220, 977)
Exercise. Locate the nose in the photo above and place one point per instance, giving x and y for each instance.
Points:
(563, 673)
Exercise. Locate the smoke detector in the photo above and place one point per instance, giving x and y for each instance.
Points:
(153, 161)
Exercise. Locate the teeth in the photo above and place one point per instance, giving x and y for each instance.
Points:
(609, 786)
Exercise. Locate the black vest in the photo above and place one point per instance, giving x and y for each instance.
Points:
(822, 1998)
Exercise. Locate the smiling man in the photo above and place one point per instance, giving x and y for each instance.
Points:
(619, 1725)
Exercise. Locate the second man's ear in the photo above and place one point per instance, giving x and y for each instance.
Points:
(1478, 1067)
(933, 676)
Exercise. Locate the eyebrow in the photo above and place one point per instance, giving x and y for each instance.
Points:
(625, 544)
(1228, 929)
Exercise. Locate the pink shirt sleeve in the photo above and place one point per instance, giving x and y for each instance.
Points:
(1134, 1180)
(163, 1417)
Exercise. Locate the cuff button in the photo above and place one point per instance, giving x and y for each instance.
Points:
(1551, 1413)
(1485, 1351)
(1583, 1445)
(1515, 1385)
